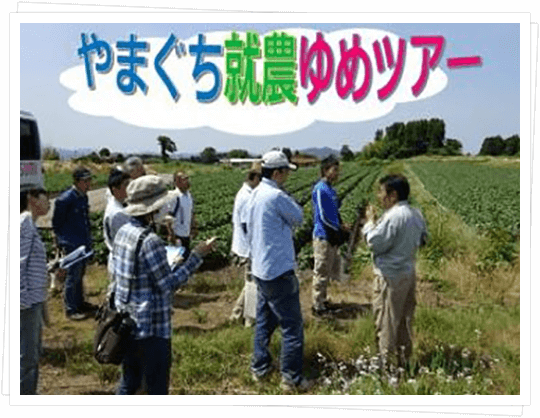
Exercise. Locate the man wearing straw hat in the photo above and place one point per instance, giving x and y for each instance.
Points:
(144, 285)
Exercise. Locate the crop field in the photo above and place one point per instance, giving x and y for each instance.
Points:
(214, 198)
(485, 197)
(467, 321)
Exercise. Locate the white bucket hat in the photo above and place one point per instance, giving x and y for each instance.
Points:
(276, 159)
(146, 194)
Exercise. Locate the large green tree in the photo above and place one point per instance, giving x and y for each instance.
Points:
(167, 146)
(209, 155)
(493, 145)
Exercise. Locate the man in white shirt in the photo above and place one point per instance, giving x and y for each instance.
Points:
(135, 168)
(182, 224)
(240, 246)
(394, 240)
(114, 216)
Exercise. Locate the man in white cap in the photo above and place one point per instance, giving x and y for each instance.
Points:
(270, 217)
(144, 284)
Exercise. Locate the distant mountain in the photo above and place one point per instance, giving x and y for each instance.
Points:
(66, 154)
(320, 153)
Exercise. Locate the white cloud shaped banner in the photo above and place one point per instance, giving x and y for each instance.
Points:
(158, 109)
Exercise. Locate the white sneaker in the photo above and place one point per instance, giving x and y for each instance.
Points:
(263, 378)
(303, 386)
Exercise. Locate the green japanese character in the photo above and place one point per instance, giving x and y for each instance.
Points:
(280, 69)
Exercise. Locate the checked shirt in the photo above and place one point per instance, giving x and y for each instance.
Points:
(150, 300)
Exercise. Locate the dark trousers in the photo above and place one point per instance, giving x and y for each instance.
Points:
(186, 242)
(148, 359)
(278, 304)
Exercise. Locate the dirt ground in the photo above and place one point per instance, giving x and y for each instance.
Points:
(61, 337)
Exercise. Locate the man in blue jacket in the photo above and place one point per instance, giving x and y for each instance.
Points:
(71, 225)
(328, 235)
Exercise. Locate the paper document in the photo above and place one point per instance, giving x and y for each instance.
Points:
(74, 257)
(250, 300)
(175, 254)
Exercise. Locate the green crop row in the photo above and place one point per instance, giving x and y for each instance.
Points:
(485, 197)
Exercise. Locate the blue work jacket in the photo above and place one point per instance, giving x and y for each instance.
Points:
(71, 221)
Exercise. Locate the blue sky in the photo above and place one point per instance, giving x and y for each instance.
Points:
(477, 102)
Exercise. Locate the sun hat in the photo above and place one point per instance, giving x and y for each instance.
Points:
(276, 159)
(146, 194)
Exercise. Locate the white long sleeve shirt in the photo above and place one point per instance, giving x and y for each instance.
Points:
(240, 245)
(181, 208)
(394, 240)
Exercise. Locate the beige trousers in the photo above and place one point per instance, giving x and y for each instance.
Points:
(327, 266)
(394, 303)
(238, 309)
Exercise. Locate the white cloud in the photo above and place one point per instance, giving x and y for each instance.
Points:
(157, 109)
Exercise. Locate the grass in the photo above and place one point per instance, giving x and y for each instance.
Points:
(459, 349)
(58, 175)
(471, 265)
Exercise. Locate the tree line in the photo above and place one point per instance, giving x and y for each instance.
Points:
(496, 145)
(399, 140)
(419, 137)
(404, 140)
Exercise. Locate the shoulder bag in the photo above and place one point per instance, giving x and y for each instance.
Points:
(114, 329)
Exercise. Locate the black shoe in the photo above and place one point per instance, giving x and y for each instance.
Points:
(327, 308)
(89, 307)
(323, 312)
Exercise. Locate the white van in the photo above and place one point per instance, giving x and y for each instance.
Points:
(31, 165)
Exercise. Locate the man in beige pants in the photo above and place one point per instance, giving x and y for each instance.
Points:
(328, 234)
(394, 240)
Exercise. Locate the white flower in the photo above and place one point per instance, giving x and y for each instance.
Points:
(423, 370)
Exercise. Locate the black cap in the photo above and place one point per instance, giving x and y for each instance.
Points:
(82, 173)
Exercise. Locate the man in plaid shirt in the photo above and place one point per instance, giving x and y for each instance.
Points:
(144, 285)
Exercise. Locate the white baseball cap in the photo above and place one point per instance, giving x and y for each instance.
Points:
(276, 159)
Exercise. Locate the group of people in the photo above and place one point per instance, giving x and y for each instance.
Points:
(142, 283)
(264, 218)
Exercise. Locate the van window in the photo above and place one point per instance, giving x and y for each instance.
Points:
(30, 146)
